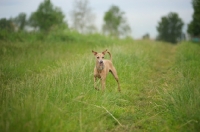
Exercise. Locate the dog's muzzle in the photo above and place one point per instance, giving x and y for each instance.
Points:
(101, 62)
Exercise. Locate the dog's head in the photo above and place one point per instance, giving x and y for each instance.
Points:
(99, 56)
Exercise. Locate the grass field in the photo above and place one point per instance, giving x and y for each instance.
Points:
(48, 86)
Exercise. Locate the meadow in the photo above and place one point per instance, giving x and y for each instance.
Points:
(47, 85)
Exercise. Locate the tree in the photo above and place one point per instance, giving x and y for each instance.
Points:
(115, 23)
(146, 36)
(6, 25)
(194, 26)
(20, 21)
(82, 17)
(46, 16)
(170, 28)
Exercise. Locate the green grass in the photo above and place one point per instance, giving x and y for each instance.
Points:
(48, 86)
(182, 101)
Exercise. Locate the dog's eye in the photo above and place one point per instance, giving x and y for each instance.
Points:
(97, 57)
(102, 57)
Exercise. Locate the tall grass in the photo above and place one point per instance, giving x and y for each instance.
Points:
(48, 86)
(182, 101)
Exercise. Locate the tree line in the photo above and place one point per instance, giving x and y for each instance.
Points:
(47, 17)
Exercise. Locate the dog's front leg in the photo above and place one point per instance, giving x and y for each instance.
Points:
(95, 85)
(103, 83)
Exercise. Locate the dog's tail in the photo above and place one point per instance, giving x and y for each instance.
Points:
(109, 55)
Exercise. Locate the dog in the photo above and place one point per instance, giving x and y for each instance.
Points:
(102, 68)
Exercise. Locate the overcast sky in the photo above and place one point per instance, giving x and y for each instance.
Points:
(142, 15)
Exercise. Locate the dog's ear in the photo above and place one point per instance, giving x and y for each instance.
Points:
(94, 52)
(104, 52)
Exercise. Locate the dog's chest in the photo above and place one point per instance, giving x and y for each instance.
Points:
(98, 73)
(100, 68)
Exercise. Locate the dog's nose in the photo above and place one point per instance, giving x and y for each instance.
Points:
(101, 61)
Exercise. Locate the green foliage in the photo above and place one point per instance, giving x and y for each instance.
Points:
(194, 26)
(20, 21)
(170, 28)
(46, 17)
(146, 36)
(6, 25)
(115, 23)
(7, 28)
(55, 35)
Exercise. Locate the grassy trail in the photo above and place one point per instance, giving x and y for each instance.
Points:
(162, 67)
(158, 78)
(174, 88)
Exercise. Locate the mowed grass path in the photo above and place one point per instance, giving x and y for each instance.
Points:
(49, 87)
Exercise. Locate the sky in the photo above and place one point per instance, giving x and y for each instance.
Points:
(142, 15)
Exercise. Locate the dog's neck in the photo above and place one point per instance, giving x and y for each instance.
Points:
(99, 66)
